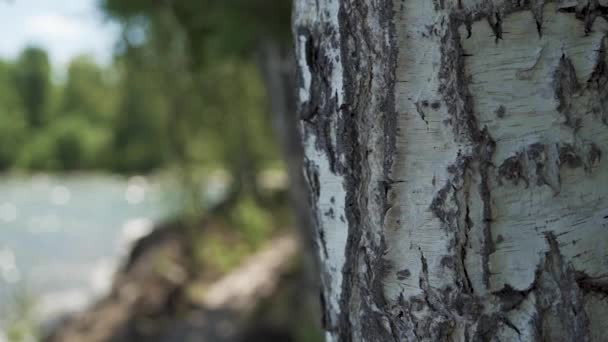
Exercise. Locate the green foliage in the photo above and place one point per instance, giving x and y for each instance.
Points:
(241, 232)
(32, 82)
(13, 131)
(87, 93)
(69, 143)
(213, 27)
(54, 126)
(139, 129)
(211, 253)
(184, 92)
(253, 222)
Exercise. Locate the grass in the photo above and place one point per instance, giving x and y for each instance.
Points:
(229, 239)
(21, 325)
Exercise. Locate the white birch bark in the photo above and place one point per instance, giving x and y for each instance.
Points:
(454, 150)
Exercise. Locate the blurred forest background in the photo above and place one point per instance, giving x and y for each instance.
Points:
(188, 96)
(184, 89)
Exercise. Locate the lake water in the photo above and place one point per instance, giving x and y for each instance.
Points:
(61, 238)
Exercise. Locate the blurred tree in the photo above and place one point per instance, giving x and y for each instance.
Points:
(185, 90)
(138, 128)
(204, 53)
(67, 143)
(215, 28)
(32, 80)
(87, 92)
(12, 121)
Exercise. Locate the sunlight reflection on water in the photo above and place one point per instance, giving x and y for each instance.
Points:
(136, 190)
(8, 267)
(8, 212)
(60, 195)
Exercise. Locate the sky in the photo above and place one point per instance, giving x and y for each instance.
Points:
(65, 28)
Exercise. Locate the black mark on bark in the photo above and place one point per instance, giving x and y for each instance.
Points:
(569, 157)
(495, 22)
(560, 304)
(512, 170)
(566, 87)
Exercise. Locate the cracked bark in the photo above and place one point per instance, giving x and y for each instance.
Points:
(458, 146)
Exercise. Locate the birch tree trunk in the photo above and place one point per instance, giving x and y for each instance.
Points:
(455, 157)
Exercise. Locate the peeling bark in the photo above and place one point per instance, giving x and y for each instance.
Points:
(458, 147)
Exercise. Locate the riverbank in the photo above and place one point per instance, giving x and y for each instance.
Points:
(162, 293)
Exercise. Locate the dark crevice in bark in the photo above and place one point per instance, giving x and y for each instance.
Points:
(598, 84)
(442, 323)
(587, 12)
(465, 244)
(494, 12)
(588, 284)
(568, 156)
(311, 176)
(325, 323)
(440, 206)
(510, 324)
(456, 219)
(538, 12)
(536, 155)
(423, 282)
(368, 62)
(487, 325)
(511, 298)
(565, 83)
(512, 170)
(454, 87)
(363, 51)
(539, 159)
(594, 156)
(460, 108)
(495, 22)
(558, 296)
(318, 112)
(559, 300)
(484, 151)
(406, 320)
(420, 105)
(544, 160)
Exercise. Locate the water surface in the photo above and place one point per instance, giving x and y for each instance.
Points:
(61, 238)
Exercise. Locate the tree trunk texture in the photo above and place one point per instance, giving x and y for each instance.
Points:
(455, 154)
